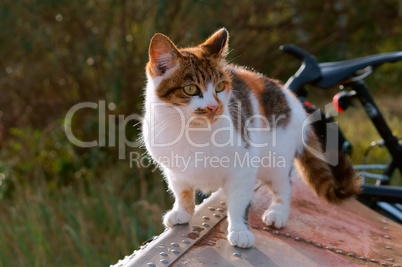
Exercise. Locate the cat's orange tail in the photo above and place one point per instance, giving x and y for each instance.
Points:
(333, 183)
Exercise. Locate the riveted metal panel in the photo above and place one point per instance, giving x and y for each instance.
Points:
(173, 243)
(317, 234)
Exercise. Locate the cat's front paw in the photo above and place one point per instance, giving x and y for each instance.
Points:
(276, 215)
(174, 217)
(242, 239)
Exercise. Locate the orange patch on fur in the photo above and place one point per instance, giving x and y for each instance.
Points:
(278, 201)
(253, 80)
(217, 99)
(149, 69)
(187, 200)
(220, 108)
(256, 85)
(271, 98)
(197, 51)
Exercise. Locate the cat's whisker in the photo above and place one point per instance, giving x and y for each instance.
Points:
(136, 124)
(162, 126)
(234, 58)
(230, 51)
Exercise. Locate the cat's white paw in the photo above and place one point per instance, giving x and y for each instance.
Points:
(242, 239)
(277, 216)
(174, 217)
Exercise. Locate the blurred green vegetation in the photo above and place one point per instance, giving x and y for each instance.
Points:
(62, 205)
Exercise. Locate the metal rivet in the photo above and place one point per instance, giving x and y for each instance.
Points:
(330, 248)
(205, 224)
(297, 238)
(384, 221)
(339, 251)
(384, 264)
(175, 251)
(236, 254)
(373, 260)
(318, 245)
(390, 259)
(276, 232)
(362, 258)
(287, 235)
(256, 226)
(211, 208)
(185, 235)
(351, 254)
(196, 232)
(220, 210)
(222, 202)
(195, 226)
(386, 228)
(308, 241)
(174, 244)
(387, 237)
(205, 218)
(164, 254)
(388, 247)
(395, 265)
(164, 261)
(186, 242)
(150, 264)
(217, 215)
(266, 228)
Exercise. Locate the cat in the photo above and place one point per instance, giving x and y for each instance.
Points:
(198, 107)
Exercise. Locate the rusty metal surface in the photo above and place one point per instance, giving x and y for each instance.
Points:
(171, 244)
(269, 250)
(316, 234)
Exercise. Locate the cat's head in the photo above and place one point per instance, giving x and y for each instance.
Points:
(192, 79)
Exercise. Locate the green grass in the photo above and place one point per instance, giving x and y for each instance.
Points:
(92, 226)
(360, 131)
(62, 207)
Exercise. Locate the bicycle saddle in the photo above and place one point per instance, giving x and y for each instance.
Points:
(325, 75)
(335, 72)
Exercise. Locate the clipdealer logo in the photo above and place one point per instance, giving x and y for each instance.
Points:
(112, 134)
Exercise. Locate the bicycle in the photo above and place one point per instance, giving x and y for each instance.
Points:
(349, 75)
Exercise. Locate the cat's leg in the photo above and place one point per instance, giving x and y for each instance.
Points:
(239, 191)
(278, 180)
(184, 204)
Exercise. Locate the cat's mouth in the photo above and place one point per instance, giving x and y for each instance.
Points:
(204, 119)
(205, 116)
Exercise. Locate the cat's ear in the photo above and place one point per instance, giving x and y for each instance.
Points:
(217, 44)
(163, 54)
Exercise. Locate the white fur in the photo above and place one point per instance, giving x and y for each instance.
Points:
(237, 182)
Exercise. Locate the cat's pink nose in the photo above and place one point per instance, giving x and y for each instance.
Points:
(212, 108)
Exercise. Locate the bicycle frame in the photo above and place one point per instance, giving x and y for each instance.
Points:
(390, 141)
(309, 73)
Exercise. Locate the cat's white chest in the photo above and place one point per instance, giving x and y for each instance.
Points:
(206, 156)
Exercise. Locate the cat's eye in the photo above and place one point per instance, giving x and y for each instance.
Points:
(220, 87)
(191, 89)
